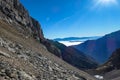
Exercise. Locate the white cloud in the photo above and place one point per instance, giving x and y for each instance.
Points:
(68, 43)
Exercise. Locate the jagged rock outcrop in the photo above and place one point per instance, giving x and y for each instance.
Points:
(14, 13)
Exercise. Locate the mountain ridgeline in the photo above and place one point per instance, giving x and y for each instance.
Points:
(102, 48)
(82, 39)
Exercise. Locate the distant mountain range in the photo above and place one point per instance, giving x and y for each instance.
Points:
(76, 38)
(102, 48)
(69, 41)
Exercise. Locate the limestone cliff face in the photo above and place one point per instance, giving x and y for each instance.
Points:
(14, 13)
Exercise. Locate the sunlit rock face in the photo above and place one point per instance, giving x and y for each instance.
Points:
(14, 13)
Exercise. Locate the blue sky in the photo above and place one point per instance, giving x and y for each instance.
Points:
(76, 18)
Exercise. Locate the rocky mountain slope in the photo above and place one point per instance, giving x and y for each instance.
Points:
(22, 56)
(102, 48)
(110, 69)
(112, 63)
(73, 56)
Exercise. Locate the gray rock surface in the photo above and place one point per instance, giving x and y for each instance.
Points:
(13, 12)
(46, 69)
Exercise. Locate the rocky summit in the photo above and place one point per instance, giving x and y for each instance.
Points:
(22, 56)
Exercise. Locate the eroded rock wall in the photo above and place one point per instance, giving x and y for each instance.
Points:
(14, 13)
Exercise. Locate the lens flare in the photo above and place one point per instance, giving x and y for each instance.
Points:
(105, 2)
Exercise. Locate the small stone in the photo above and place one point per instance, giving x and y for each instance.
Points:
(4, 54)
(2, 78)
(11, 73)
(2, 74)
(3, 70)
(50, 69)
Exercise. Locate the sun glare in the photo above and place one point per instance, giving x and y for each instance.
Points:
(106, 2)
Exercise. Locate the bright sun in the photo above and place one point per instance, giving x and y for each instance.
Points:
(106, 2)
